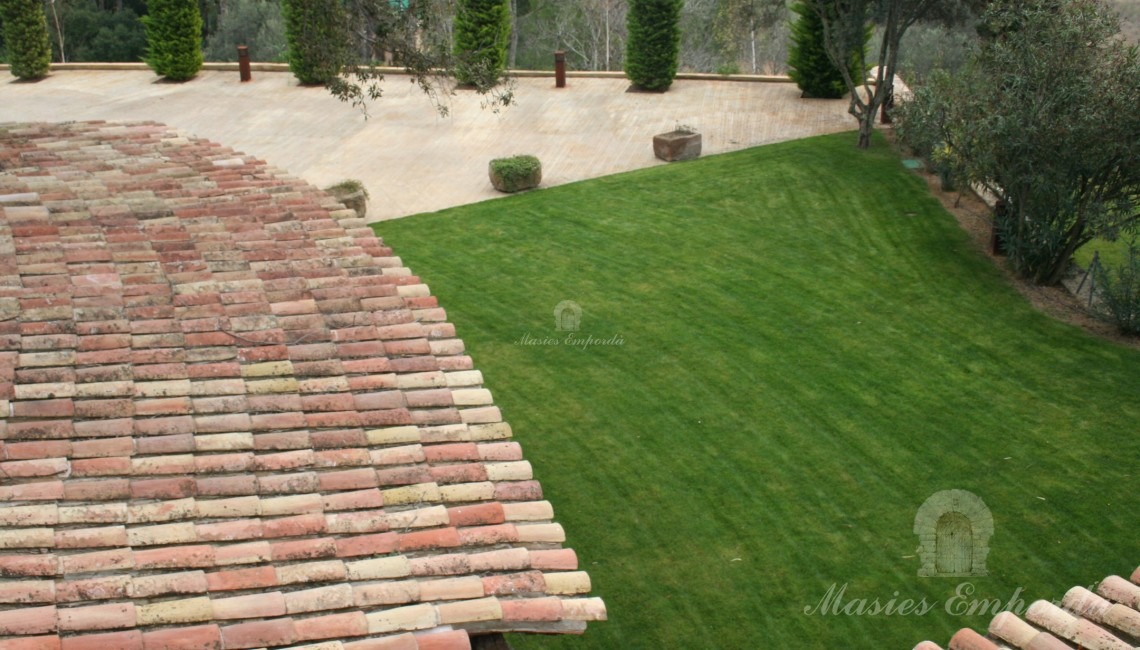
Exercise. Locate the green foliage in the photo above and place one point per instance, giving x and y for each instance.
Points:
(94, 34)
(654, 42)
(26, 38)
(920, 123)
(808, 63)
(482, 31)
(317, 34)
(746, 30)
(258, 24)
(1045, 117)
(846, 32)
(174, 38)
(347, 186)
(516, 173)
(927, 48)
(786, 425)
(1119, 291)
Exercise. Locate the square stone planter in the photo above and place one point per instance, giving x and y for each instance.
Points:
(677, 145)
(516, 180)
(352, 194)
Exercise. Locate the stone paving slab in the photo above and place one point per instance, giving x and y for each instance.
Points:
(409, 158)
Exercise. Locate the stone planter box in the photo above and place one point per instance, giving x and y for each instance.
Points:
(352, 195)
(677, 145)
(512, 181)
(355, 201)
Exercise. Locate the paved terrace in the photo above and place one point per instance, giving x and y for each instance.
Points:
(411, 159)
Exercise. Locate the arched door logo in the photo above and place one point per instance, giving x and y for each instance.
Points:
(954, 529)
(567, 316)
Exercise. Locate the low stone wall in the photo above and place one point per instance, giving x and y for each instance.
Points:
(392, 70)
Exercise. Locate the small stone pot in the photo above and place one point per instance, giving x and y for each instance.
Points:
(513, 183)
(677, 145)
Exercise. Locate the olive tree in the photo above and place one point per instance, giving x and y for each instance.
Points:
(809, 64)
(844, 30)
(1045, 118)
(416, 35)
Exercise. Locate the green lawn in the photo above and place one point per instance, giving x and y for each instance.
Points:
(811, 349)
(1112, 253)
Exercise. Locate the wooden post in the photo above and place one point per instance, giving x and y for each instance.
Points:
(243, 63)
(559, 69)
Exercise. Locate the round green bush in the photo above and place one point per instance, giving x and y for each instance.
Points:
(515, 173)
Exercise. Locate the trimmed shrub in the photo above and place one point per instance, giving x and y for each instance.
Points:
(317, 35)
(482, 32)
(174, 38)
(654, 43)
(515, 173)
(808, 63)
(26, 38)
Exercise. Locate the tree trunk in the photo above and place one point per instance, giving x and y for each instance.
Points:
(607, 35)
(514, 34)
(59, 33)
(866, 127)
(752, 38)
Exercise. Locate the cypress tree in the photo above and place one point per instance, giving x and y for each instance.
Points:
(26, 38)
(174, 38)
(316, 34)
(654, 43)
(808, 63)
(482, 32)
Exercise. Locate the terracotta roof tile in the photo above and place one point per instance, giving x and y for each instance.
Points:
(235, 420)
(1106, 620)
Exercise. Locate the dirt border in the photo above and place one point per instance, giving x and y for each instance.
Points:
(974, 216)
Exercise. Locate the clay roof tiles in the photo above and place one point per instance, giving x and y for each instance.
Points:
(1108, 619)
(231, 418)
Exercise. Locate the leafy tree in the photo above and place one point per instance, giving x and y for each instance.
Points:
(1044, 116)
(808, 62)
(482, 33)
(89, 33)
(591, 32)
(26, 38)
(844, 29)
(174, 38)
(415, 34)
(738, 21)
(258, 24)
(653, 47)
(317, 33)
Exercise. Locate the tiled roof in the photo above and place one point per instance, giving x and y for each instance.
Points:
(1106, 620)
(231, 418)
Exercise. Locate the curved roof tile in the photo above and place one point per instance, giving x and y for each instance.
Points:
(1106, 620)
(231, 418)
